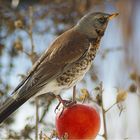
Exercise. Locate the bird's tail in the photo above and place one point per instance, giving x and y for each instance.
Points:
(10, 105)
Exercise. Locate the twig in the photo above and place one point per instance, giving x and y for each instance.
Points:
(30, 32)
(26, 53)
(104, 121)
(110, 107)
(74, 93)
(44, 112)
(31, 29)
(103, 113)
(37, 118)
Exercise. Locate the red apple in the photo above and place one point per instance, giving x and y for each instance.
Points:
(78, 122)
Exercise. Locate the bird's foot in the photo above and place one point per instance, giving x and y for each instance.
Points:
(68, 103)
(65, 103)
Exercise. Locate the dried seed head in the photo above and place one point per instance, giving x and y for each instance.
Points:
(18, 45)
(122, 95)
(133, 88)
(18, 24)
(121, 108)
(53, 135)
(85, 94)
(99, 99)
(133, 76)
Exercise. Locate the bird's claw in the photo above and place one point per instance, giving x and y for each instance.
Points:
(65, 103)
(68, 103)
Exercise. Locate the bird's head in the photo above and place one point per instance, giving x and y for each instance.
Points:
(94, 24)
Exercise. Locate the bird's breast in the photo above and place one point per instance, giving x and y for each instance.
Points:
(77, 70)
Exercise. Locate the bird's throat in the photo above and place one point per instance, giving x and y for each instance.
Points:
(100, 32)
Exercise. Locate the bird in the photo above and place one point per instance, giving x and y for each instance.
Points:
(63, 64)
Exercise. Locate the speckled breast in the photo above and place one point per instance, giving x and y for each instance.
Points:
(77, 71)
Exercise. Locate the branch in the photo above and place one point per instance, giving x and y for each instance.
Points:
(31, 29)
(37, 118)
(110, 107)
(103, 113)
(31, 55)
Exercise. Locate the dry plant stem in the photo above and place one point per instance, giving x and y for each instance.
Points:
(26, 53)
(37, 118)
(74, 93)
(32, 52)
(103, 113)
(110, 107)
(45, 111)
(31, 28)
(104, 121)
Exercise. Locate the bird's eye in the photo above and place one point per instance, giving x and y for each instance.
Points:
(102, 20)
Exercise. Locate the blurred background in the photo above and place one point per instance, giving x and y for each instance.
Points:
(28, 27)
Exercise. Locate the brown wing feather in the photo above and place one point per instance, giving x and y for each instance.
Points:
(66, 49)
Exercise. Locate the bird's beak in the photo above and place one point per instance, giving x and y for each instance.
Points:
(113, 15)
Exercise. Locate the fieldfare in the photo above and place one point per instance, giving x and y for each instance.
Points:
(62, 65)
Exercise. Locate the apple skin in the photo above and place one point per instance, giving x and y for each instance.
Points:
(78, 121)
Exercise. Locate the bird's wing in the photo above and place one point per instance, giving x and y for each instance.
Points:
(66, 49)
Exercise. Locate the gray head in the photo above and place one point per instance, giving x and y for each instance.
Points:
(94, 24)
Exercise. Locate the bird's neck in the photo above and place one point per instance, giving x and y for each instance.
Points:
(91, 33)
(94, 42)
(85, 31)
